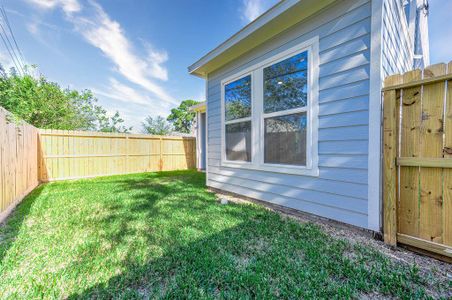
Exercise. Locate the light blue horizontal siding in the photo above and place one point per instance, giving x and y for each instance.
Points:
(344, 119)
(304, 195)
(340, 191)
(351, 133)
(355, 89)
(344, 105)
(331, 212)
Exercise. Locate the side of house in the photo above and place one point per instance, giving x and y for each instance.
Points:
(339, 191)
(293, 117)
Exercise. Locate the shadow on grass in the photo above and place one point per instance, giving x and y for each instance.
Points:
(253, 261)
(263, 256)
(162, 235)
(11, 227)
(181, 192)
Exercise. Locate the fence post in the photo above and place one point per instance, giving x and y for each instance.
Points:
(447, 177)
(195, 151)
(161, 155)
(127, 153)
(391, 101)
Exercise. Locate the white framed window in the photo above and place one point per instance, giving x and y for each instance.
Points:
(236, 117)
(269, 113)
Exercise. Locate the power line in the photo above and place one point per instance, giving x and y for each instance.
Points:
(18, 67)
(5, 16)
(10, 48)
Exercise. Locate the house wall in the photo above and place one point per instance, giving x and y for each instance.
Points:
(398, 34)
(340, 191)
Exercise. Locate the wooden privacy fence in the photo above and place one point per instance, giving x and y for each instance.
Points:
(18, 162)
(418, 159)
(80, 154)
(29, 155)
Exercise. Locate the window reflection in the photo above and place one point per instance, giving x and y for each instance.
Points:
(285, 139)
(285, 84)
(237, 97)
(238, 141)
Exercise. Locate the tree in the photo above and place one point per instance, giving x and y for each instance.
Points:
(113, 124)
(45, 104)
(181, 117)
(156, 126)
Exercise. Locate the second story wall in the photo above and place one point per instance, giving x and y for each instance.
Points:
(404, 36)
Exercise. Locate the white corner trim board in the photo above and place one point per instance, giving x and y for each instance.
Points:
(374, 159)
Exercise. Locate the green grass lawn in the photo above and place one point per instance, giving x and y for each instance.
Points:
(162, 235)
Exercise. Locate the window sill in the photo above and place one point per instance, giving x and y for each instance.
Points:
(284, 169)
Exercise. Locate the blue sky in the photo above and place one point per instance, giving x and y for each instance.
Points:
(134, 54)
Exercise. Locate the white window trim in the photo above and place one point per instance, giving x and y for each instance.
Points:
(257, 114)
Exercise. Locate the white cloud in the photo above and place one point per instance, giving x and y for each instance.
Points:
(126, 94)
(33, 28)
(69, 6)
(98, 29)
(5, 61)
(251, 9)
(155, 60)
(132, 103)
(118, 91)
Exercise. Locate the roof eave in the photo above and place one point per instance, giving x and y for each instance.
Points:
(200, 107)
(277, 19)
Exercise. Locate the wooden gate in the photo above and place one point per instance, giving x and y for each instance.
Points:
(418, 159)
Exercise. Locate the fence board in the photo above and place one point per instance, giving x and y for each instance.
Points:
(76, 154)
(447, 173)
(390, 134)
(408, 220)
(431, 137)
(18, 162)
(424, 201)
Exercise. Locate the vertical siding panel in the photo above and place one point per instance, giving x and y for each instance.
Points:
(397, 47)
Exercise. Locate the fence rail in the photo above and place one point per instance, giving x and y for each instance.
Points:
(18, 162)
(77, 154)
(418, 159)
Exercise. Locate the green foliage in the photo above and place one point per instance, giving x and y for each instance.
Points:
(238, 99)
(181, 117)
(164, 236)
(156, 126)
(112, 124)
(45, 104)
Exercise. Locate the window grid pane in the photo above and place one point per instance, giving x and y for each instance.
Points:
(285, 84)
(285, 139)
(238, 141)
(237, 98)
